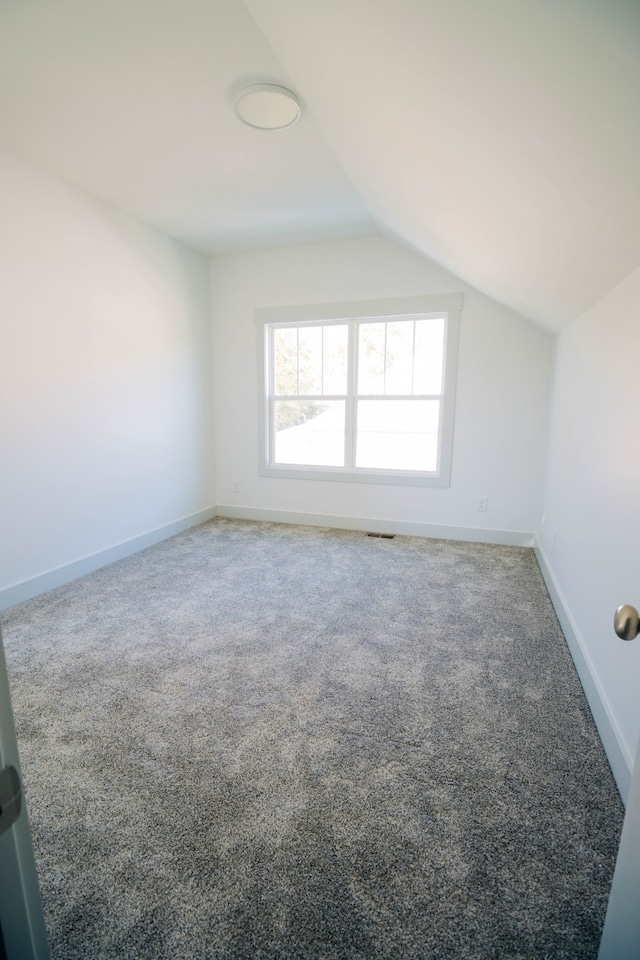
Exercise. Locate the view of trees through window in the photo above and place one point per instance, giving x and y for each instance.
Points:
(361, 394)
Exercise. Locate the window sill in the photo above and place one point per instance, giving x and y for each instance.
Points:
(391, 478)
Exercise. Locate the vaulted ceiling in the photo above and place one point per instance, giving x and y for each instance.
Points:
(498, 137)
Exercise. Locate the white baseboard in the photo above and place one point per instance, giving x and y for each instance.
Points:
(620, 760)
(510, 538)
(26, 589)
(19, 592)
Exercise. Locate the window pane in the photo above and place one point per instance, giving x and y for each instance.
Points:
(285, 361)
(309, 432)
(399, 357)
(310, 359)
(397, 434)
(336, 343)
(371, 358)
(429, 356)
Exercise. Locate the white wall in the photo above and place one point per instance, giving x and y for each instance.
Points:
(105, 377)
(504, 382)
(591, 533)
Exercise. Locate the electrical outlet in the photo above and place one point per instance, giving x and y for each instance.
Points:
(236, 486)
(483, 504)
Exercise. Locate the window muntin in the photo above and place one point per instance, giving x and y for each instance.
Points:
(366, 398)
(404, 356)
(310, 359)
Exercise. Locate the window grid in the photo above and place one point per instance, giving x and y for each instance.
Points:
(351, 398)
(420, 373)
(413, 358)
(384, 369)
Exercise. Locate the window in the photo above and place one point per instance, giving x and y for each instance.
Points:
(359, 391)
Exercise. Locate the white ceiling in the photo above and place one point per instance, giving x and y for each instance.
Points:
(133, 100)
(501, 138)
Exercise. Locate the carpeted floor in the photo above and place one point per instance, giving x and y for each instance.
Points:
(263, 741)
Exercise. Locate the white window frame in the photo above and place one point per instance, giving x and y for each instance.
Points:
(449, 306)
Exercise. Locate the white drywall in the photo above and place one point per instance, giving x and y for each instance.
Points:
(504, 382)
(105, 377)
(591, 522)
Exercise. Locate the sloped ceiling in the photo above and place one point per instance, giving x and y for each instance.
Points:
(499, 137)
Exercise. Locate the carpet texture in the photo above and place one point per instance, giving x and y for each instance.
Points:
(266, 741)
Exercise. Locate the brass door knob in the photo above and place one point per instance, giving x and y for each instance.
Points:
(626, 622)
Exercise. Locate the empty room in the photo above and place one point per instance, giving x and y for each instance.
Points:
(319, 397)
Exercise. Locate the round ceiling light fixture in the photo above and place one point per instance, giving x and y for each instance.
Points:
(268, 106)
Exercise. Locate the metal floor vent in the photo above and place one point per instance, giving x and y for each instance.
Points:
(382, 536)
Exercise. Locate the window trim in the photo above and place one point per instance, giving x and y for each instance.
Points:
(448, 304)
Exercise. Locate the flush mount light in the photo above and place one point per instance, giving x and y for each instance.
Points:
(268, 106)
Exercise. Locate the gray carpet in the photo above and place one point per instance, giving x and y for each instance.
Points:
(263, 741)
